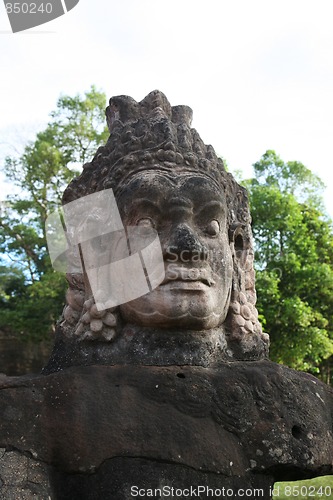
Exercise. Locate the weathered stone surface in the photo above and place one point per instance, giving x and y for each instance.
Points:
(121, 478)
(237, 423)
(22, 477)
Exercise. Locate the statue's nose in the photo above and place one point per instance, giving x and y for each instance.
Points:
(185, 242)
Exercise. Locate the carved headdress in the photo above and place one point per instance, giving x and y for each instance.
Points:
(152, 134)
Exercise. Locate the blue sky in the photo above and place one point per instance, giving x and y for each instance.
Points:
(258, 75)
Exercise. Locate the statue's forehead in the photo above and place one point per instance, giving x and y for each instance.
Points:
(157, 185)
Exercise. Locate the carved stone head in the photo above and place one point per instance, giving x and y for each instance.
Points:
(164, 177)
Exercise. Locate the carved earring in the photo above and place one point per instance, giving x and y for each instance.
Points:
(243, 316)
(82, 320)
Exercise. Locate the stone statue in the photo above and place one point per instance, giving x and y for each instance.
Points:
(173, 389)
(156, 163)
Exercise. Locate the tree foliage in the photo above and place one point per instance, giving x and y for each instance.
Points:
(294, 258)
(31, 293)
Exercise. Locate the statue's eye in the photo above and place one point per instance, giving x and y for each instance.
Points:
(145, 222)
(213, 228)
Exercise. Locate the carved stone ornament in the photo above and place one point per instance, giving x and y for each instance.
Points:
(172, 389)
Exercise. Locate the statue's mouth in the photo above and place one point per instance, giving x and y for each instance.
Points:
(186, 275)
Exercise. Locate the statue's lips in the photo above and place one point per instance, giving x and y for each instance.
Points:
(182, 285)
(187, 278)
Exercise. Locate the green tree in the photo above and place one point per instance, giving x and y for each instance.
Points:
(76, 129)
(294, 258)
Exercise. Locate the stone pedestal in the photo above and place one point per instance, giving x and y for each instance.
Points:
(109, 431)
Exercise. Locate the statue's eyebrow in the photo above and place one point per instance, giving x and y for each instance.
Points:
(146, 203)
(211, 206)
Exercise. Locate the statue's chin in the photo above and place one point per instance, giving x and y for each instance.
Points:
(188, 306)
(167, 319)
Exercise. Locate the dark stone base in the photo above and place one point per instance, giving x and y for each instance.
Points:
(98, 430)
(129, 478)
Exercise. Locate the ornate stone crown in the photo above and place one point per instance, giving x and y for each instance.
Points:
(153, 135)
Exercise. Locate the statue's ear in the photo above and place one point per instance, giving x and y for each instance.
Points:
(243, 328)
(240, 244)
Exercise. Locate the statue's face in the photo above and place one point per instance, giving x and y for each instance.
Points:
(189, 214)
